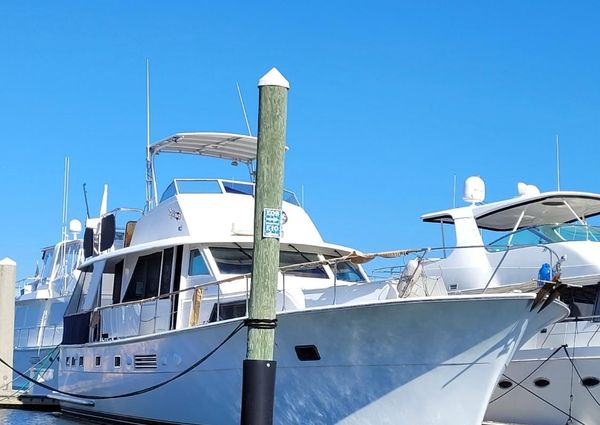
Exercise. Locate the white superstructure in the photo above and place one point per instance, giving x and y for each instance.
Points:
(39, 308)
(536, 237)
(145, 316)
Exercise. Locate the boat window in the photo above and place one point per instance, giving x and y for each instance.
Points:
(73, 306)
(167, 272)
(145, 279)
(233, 260)
(197, 186)
(106, 292)
(288, 258)
(86, 280)
(346, 271)
(67, 260)
(239, 261)
(47, 263)
(290, 197)
(197, 264)
(116, 296)
(523, 237)
(237, 187)
(169, 192)
(577, 232)
(229, 310)
(583, 302)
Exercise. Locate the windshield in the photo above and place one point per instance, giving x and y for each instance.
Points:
(47, 263)
(212, 186)
(239, 261)
(547, 233)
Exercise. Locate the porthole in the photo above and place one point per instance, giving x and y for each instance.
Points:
(97, 361)
(541, 382)
(117, 361)
(590, 381)
(505, 384)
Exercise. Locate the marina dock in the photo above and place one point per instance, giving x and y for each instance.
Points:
(11, 401)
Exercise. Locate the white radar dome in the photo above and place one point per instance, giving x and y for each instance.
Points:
(527, 189)
(474, 190)
(75, 226)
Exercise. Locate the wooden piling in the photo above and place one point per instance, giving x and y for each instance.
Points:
(259, 367)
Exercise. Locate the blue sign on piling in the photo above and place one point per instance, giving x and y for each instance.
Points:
(271, 223)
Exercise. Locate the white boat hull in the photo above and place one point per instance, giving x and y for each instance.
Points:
(552, 404)
(415, 361)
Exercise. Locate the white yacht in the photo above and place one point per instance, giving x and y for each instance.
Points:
(528, 240)
(40, 304)
(152, 330)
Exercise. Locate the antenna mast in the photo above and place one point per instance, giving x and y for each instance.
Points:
(149, 164)
(87, 206)
(454, 192)
(244, 109)
(557, 163)
(65, 205)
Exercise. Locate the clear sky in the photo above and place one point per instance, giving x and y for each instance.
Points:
(388, 101)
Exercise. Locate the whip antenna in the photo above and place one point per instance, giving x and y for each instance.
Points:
(244, 109)
(557, 163)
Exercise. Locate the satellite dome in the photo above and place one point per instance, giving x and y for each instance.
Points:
(474, 190)
(527, 189)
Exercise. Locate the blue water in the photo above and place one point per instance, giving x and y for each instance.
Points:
(24, 417)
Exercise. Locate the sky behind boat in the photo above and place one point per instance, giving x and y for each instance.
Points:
(388, 102)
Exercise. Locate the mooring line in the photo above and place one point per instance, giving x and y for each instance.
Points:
(132, 393)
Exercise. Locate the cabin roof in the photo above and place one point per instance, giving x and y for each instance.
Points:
(233, 147)
(545, 208)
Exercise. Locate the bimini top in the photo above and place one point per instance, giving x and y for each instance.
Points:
(544, 208)
(234, 147)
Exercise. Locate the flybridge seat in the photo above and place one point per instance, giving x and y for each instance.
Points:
(179, 186)
(545, 208)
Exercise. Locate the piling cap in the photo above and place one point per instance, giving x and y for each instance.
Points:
(7, 262)
(273, 78)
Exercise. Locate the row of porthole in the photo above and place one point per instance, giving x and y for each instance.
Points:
(590, 382)
(72, 361)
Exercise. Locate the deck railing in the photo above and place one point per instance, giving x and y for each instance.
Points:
(182, 308)
(38, 336)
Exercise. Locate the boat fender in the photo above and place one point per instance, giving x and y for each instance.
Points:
(544, 274)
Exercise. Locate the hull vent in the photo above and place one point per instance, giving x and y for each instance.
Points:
(145, 361)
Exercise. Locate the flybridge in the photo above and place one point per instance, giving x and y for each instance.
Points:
(183, 186)
(544, 208)
(236, 148)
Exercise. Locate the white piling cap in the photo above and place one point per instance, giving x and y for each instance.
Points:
(7, 262)
(273, 78)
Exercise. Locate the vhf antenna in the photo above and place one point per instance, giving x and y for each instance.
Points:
(87, 207)
(557, 163)
(244, 109)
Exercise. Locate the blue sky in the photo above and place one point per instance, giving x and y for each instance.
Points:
(388, 101)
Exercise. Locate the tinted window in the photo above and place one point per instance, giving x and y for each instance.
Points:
(145, 279)
(288, 258)
(197, 264)
(582, 301)
(167, 271)
(346, 271)
(239, 261)
(233, 260)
